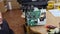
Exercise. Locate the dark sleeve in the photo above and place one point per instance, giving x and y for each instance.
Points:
(5, 23)
(7, 28)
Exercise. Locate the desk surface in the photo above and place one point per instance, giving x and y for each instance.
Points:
(50, 20)
(39, 29)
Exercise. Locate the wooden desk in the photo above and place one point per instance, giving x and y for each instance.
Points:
(39, 29)
(50, 20)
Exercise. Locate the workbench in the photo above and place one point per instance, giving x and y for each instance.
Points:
(51, 20)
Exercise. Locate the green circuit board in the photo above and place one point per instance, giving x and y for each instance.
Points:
(32, 17)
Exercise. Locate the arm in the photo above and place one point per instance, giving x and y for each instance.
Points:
(7, 28)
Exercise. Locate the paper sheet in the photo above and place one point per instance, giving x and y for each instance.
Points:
(55, 12)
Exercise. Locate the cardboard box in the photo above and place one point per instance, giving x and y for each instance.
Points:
(15, 4)
(2, 7)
